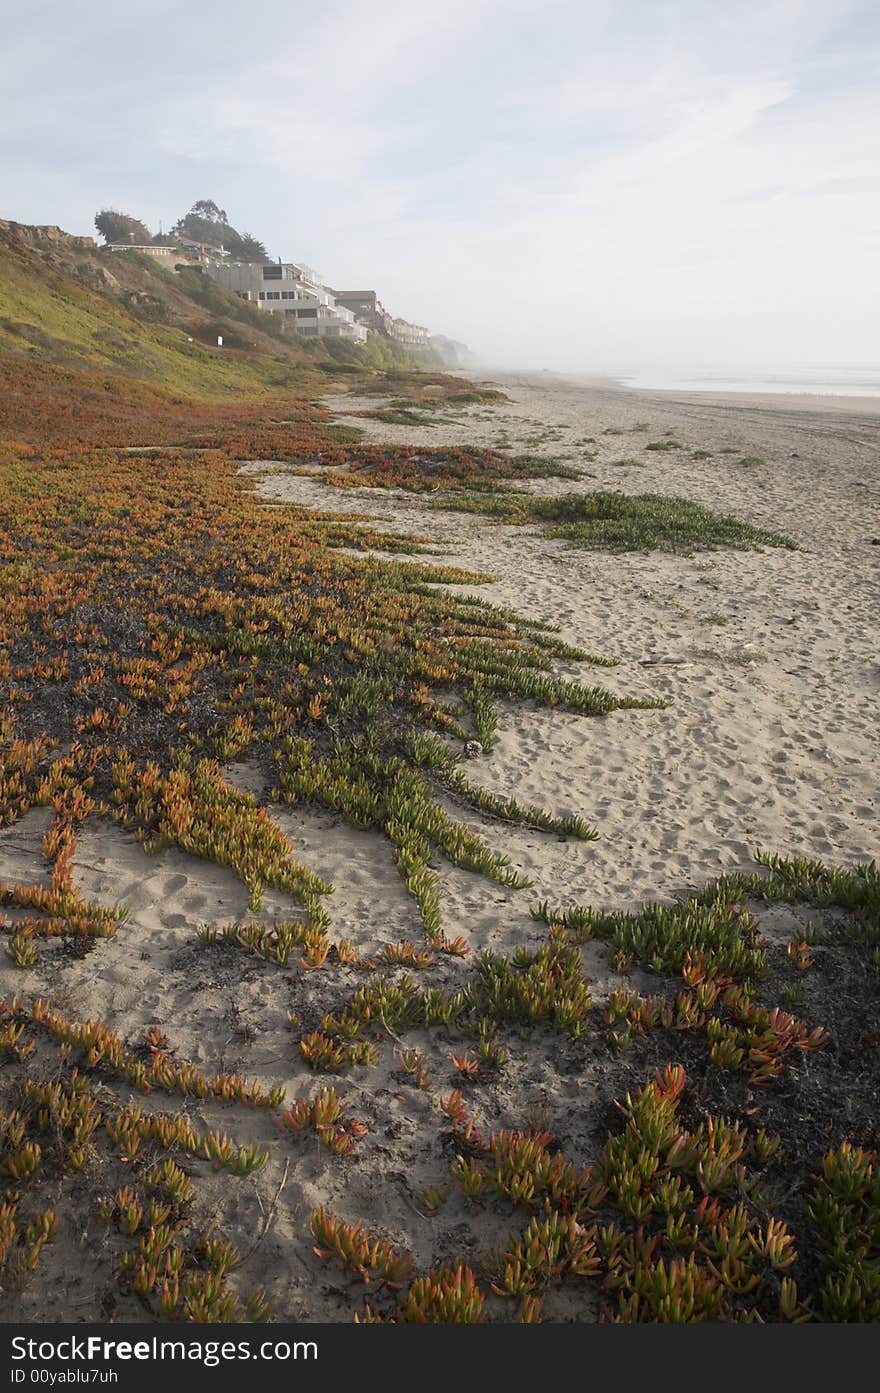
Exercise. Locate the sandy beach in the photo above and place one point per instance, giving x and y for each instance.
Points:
(768, 661)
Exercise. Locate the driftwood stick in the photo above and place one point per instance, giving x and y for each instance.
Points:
(270, 1216)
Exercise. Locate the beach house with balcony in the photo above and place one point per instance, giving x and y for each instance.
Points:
(367, 307)
(413, 336)
(290, 289)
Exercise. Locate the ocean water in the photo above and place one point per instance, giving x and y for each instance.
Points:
(833, 381)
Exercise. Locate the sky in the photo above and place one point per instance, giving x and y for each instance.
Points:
(583, 185)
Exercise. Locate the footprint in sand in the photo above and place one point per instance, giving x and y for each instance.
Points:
(175, 921)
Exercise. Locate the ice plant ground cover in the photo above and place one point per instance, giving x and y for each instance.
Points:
(159, 622)
(600, 521)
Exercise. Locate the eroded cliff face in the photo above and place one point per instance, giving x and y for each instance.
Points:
(53, 248)
(45, 236)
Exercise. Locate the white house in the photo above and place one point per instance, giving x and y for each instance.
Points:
(294, 291)
(168, 254)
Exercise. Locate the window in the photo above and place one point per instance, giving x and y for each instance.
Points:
(262, 294)
(307, 314)
(272, 273)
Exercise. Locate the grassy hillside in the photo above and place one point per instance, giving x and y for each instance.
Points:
(127, 315)
(53, 317)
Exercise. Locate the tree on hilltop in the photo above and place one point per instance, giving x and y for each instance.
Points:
(120, 227)
(248, 248)
(206, 222)
(207, 208)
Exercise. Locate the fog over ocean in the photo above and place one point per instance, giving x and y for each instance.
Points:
(860, 380)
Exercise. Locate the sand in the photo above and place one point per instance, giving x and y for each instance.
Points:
(769, 659)
(769, 663)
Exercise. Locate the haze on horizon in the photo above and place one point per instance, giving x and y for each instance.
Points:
(576, 184)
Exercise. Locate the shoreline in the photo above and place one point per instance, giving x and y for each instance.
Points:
(849, 403)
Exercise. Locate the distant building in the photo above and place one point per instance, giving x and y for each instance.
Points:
(367, 307)
(169, 254)
(200, 251)
(370, 311)
(292, 290)
(410, 335)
